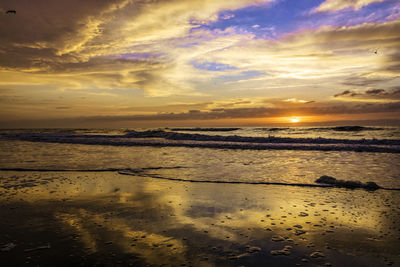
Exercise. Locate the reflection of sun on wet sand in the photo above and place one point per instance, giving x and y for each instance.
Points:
(59, 218)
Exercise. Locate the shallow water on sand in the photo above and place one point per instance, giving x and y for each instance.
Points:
(81, 218)
(203, 164)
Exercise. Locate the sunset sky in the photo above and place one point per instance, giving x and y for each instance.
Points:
(148, 63)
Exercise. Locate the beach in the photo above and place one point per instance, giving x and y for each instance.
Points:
(108, 219)
(239, 133)
(102, 198)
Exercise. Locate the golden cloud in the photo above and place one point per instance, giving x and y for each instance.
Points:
(336, 5)
(102, 57)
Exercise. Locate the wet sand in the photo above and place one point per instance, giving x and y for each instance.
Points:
(108, 219)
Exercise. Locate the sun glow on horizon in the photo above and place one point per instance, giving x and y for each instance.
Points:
(294, 120)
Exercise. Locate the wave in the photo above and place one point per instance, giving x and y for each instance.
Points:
(347, 129)
(353, 128)
(269, 139)
(160, 138)
(274, 129)
(322, 182)
(205, 129)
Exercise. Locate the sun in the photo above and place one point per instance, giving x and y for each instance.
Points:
(294, 120)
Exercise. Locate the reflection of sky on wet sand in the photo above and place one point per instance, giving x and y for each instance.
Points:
(128, 240)
(200, 224)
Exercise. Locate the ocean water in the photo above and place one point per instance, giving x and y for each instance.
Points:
(292, 155)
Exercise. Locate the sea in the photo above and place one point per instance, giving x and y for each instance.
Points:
(254, 155)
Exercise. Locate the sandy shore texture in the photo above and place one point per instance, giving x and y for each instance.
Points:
(108, 219)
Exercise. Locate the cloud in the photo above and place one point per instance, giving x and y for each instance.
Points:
(60, 27)
(159, 31)
(212, 66)
(169, 108)
(336, 5)
(316, 60)
(295, 100)
(270, 111)
(128, 58)
(233, 103)
(78, 39)
(75, 31)
(393, 94)
(227, 16)
(365, 81)
(375, 92)
(258, 112)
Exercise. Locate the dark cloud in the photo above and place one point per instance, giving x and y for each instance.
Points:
(394, 69)
(71, 36)
(214, 114)
(347, 93)
(392, 60)
(42, 32)
(259, 112)
(393, 94)
(362, 81)
(354, 108)
(389, 110)
(170, 108)
(375, 92)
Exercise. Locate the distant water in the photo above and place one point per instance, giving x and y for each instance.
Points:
(336, 132)
(286, 155)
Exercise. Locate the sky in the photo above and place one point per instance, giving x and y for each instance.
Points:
(160, 63)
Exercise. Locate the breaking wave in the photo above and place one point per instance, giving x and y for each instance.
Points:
(161, 138)
(205, 129)
(348, 128)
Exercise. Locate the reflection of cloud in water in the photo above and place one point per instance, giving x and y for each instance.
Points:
(169, 221)
(124, 232)
(76, 221)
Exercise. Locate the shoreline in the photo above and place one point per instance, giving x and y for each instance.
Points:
(345, 184)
